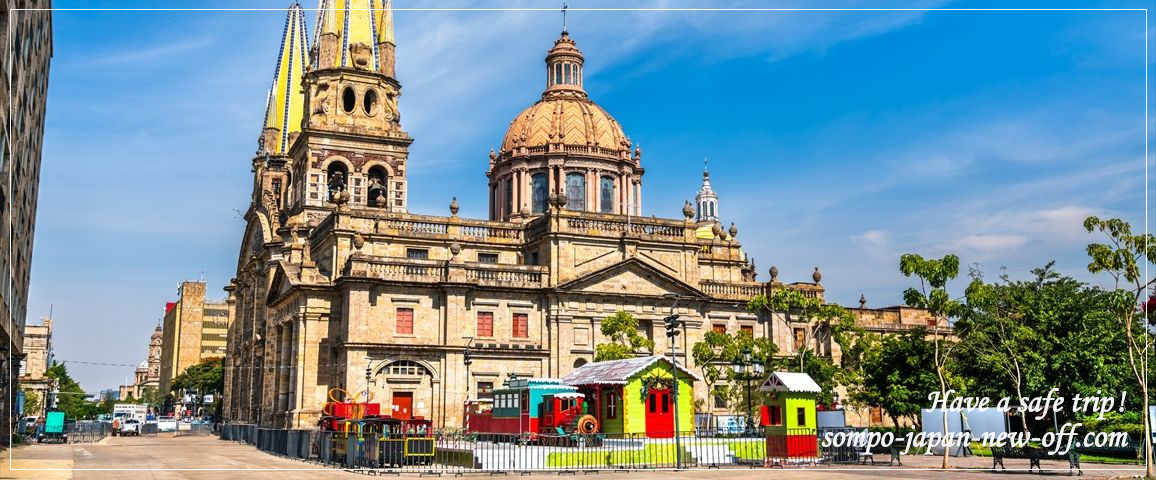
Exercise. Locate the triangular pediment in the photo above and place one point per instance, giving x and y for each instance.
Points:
(283, 281)
(632, 276)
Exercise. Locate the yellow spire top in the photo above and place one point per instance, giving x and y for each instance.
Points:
(286, 100)
(352, 34)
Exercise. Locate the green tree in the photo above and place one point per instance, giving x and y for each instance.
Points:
(1124, 259)
(69, 397)
(820, 322)
(151, 396)
(206, 377)
(999, 332)
(932, 295)
(895, 375)
(33, 404)
(625, 341)
(715, 354)
(1023, 338)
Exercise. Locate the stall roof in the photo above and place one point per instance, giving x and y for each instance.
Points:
(616, 372)
(790, 382)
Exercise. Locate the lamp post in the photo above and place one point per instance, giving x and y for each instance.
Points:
(672, 324)
(745, 369)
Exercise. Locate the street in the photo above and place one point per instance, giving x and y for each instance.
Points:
(205, 457)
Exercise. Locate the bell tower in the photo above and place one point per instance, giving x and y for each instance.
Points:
(282, 121)
(352, 149)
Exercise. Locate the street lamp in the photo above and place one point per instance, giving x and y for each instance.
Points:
(672, 325)
(745, 369)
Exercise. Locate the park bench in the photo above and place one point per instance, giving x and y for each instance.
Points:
(1034, 455)
(868, 455)
(1131, 449)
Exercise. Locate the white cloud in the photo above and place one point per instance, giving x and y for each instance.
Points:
(987, 244)
(876, 243)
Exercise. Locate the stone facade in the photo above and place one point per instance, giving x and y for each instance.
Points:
(340, 292)
(193, 330)
(37, 359)
(148, 373)
(26, 50)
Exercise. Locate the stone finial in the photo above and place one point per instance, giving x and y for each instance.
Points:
(716, 229)
(525, 211)
(637, 152)
(358, 241)
(455, 248)
(493, 155)
(454, 207)
(817, 276)
(734, 231)
(862, 301)
(380, 200)
(774, 273)
(688, 210)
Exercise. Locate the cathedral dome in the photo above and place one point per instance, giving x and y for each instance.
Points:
(566, 147)
(569, 122)
(565, 119)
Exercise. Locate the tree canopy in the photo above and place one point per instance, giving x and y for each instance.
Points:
(206, 377)
(625, 341)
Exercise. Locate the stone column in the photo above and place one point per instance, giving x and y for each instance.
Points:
(639, 196)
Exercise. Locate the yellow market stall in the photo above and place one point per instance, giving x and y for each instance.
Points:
(789, 415)
(636, 395)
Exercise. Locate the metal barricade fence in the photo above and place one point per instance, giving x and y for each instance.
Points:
(458, 452)
(87, 431)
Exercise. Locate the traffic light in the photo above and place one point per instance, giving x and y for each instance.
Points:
(672, 324)
(468, 357)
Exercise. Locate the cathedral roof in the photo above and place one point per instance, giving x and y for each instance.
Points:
(565, 116)
(286, 99)
(353, 22)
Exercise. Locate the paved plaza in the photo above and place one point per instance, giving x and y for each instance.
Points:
(206, 457)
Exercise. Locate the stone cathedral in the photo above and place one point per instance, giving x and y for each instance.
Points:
(338, 285)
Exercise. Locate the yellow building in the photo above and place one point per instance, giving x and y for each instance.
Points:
(194, 329)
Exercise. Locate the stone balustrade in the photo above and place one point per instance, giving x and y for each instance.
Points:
(439, 271)
(731, 290)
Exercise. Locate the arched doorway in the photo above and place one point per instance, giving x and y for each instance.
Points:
(405, 390)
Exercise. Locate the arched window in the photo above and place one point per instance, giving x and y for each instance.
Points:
(509, 196)
(575, 191)
(378, 181)
(606, 199)
(337, 176)
(406, 368)
(539, 187)
(712, 209)
(348, 100)
(579, 362)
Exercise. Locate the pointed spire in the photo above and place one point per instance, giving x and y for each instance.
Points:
(286, 100)
(353, 34)
(706, 198)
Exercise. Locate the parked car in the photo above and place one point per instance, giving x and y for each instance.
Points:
(167, 424)
(130, 427)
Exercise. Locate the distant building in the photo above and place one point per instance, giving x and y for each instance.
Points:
(110, 394)
(37, 359)
(26, 47)
(194, 329)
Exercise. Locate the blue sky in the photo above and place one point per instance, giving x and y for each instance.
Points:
(837, 139)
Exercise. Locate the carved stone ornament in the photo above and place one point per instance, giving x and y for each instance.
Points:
(774, 273)
(455, 248)
(358, 241)
(688, 210)
(454, 207)
(734, 231)
(817, 276)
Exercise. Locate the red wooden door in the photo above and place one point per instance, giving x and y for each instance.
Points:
(659, 414)
(402, 405)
